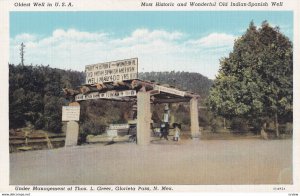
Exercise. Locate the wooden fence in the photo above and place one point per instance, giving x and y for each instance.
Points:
(32, 141)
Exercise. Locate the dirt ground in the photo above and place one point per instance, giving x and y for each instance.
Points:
(197, 162)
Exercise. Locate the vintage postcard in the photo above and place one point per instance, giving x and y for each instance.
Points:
(149, 96)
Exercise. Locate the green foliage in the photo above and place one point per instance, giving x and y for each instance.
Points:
(96, 115)
(239, 125)
(93, 126)
(216, 124)
(256, 80)
(35, 95)
(209, 121)
(52, 113)
(288, 128)
(194, 82)
(183, 117)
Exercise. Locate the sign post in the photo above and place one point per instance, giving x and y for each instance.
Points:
(71, 114)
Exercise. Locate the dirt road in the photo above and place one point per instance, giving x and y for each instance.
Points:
(200, 162)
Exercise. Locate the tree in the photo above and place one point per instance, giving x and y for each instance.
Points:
(256, 80)
(35, 95)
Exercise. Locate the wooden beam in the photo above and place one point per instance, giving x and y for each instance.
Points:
(171, 100)
(99, 86)
(166, 91)
(154, 92)
(137, 84)
(70, 92)
(118, 100)
(85, 89)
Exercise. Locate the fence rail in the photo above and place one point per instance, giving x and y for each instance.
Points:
(28, 140)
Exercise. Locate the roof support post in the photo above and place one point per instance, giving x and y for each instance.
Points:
(143, 118)
(194, 118)
(72, 130)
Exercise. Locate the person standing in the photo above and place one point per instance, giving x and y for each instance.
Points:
(177, 128)
(164, 131)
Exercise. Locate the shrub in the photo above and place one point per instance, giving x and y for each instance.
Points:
(216, 124)
(239, 125)
(256, 126)
(289, 128)
(92, 127)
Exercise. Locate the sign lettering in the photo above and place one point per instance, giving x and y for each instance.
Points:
(169, 90)
(110, 94)
(112, 71)
(70, 113)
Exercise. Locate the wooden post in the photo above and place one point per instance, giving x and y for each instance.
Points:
(194, 118)
(72, 130)
(143, 118)
(276, 125)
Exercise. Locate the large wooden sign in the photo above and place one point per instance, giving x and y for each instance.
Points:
(70, 113)
(107, 95)
(169, 90)
(112, 71)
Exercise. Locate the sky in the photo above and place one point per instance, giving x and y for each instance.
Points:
(191, 41)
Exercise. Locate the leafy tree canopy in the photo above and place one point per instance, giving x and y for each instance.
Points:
(256, 79)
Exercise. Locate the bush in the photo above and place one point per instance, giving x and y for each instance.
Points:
(289, 128)
(92, 127)
(183, 118)
(286, 128)
(39, 123)
(239, 125)
(256, 126)
(216, 124)
(205, 117)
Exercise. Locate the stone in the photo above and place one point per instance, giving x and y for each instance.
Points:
(72, 134)
(98, 138)
(106, 138)
(195, 133)
(143, 118)
(112, 132)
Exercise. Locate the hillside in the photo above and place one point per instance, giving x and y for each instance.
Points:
(194, 82)
(36, 98)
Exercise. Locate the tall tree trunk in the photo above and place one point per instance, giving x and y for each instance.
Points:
(276, 124)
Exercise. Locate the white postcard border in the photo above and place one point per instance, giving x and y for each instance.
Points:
(134, 5)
